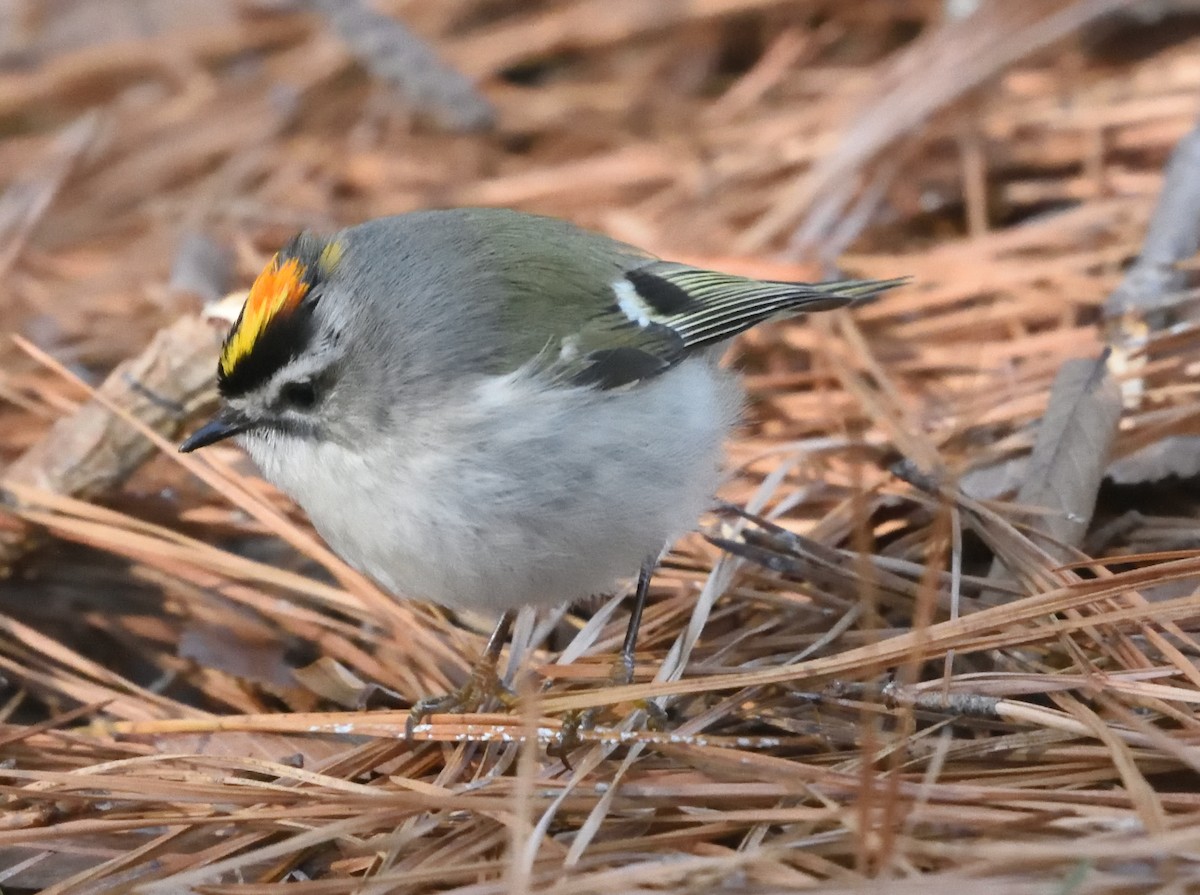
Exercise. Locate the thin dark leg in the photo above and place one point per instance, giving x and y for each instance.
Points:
(481, 687)
(499, 637)
(657, 717)
(640, 594)
(622, 673)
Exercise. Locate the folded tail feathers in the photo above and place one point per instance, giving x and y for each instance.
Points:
(704, 307)
(860, 289)
(663, 311)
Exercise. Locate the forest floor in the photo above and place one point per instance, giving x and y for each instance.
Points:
(947, 640)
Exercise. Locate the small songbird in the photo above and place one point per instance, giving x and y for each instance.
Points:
(489, 409)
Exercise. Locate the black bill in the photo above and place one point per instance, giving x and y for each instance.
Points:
(223, 426)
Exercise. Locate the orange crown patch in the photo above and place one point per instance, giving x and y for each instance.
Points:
(278, 290)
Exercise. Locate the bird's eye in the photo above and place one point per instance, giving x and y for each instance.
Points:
(300, 395)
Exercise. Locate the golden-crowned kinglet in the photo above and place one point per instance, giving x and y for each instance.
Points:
(489, 409)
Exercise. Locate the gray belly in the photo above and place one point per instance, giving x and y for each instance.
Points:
(525, 494)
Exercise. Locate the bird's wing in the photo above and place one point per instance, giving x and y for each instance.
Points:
(661, 311)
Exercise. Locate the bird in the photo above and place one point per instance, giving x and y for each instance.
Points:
(488, 409)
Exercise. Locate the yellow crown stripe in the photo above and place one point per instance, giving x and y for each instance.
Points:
(278, 290)
(330, 257)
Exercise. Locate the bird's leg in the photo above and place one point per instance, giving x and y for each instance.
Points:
(621, 673)
(483, 685)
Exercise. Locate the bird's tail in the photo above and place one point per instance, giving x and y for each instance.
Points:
(704, 307)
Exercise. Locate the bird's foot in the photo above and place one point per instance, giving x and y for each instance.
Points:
(574, 723)
(481, 688)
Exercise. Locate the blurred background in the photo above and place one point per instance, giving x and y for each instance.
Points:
(1027, 402)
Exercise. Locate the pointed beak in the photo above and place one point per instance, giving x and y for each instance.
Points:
(224, 425)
